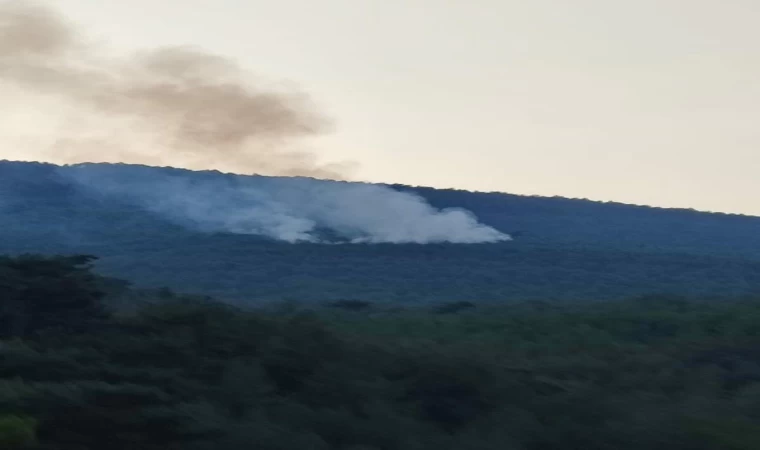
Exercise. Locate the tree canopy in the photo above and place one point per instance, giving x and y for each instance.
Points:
(179, 372)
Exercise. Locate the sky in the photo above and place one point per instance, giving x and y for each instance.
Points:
(651, 102)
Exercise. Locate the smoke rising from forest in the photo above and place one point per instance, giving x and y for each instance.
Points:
(188, 108)
(283, 208)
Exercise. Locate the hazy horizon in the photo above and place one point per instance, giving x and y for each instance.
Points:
(652, 103)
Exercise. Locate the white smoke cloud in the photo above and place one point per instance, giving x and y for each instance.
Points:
(287, 209)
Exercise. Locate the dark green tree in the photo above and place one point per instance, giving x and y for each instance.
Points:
(39, 294)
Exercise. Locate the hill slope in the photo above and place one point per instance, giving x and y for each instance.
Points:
(562, 248)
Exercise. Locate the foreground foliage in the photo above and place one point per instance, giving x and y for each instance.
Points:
(183, 373)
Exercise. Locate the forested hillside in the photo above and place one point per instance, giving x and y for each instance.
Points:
(558, 221)
(79, 372)
(561, 248)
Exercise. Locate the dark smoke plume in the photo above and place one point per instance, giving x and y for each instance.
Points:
(170, 106)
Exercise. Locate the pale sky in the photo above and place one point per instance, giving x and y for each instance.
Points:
(649, 101)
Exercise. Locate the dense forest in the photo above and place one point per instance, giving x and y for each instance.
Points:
(563, 249)
(88, 362)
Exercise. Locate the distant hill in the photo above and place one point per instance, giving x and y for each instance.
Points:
(561, 248)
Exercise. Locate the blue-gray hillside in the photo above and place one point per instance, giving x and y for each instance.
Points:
(267, 238)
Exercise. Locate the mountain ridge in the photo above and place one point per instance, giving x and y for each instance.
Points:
(396, 185)
(562, 248)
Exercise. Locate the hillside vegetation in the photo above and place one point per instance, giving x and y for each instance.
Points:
(562, 248)
(79, 372)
